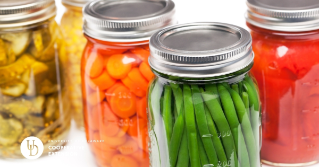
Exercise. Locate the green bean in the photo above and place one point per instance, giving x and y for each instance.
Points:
(235, 87)
(177, 135)
(254, 108)
(216, 111)
(202, 153)
(246, 103)
(178, 95)
(246, 127)
(212, 88)
(167, 112)
(191, 126)
(232, 118)
(216, 138)
(183, 156)
(202, 125)
(240, 87)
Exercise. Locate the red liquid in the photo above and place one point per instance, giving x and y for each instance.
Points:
(287, 71)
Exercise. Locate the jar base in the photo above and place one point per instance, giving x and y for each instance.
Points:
(288, 164)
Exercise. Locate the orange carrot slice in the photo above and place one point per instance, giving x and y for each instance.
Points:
(146, 71)
(104, 158)
(123, 161)
(136, 76)
(141, 107)
(113, 141)
(110, 126)
(140, 156)
(94, 65)
(123, 103)
(119, 66)
(124, 124)
(136, 125)
(94, 118)
(143, 139)
(109, 93)
(141, 53)
(136, 61)
(102, 82)
(129, 147)
(95, 97)
(134, 87)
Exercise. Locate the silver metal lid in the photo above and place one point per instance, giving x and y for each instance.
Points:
(197, 50)
(14, 13)
(284, 15)
(127, 20)
(77, 3)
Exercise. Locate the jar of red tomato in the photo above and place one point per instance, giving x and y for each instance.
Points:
(286, 44)
(116, 75)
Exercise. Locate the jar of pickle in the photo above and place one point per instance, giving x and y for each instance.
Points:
(30, 89)
(285, 40)
(74, 40)
(116, 75)
(204, 107)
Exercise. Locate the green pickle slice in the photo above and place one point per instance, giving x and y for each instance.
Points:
(10, 130)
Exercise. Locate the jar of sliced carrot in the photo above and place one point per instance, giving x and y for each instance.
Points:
(286, 43)
(204, 107)
(115, 77)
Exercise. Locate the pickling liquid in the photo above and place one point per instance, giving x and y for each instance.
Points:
(287, 71)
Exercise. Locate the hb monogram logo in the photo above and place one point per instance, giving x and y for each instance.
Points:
(31, 147)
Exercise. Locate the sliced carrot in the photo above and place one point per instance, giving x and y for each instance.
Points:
(123, 103)
(110, 126)
(141, 156)
(146, 71)
(113, 141)
(94, 65)
(136, 125)
(129, 147)
(109, 93)
(136, 76)
(95, 97)
(106, 59)
(143, 139)
(136, 61)
(118, 66)
(141, 107)
(146, 47)
(102, 82)
(104, 158)
(141, 53)
(134, 87)
(123, 161)
(124, 124)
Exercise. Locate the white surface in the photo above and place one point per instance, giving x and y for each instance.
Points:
(227, 11)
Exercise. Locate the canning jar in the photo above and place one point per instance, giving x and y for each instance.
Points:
(74, 40)
(116, 75)
(30, 89)
(285, 41)
(203, 104)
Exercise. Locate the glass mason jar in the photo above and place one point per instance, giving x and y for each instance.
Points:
(116, 75)
(74, 40)
(30, 84)
(287, 68)
(204, 107)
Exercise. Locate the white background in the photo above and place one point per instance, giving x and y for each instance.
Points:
(228, 11)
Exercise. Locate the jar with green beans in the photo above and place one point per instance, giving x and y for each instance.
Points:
(203, 106)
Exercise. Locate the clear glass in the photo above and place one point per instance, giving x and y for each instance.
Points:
(30, 87)
(204, 123)
(115, 79)
(286, 69)
(74, 43)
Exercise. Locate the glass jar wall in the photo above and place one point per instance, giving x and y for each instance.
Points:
(74, 40)
(30, 85)
(204, 107)
(116, 74)
(116, 77)
(286, 69)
